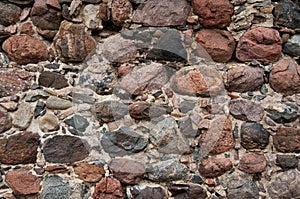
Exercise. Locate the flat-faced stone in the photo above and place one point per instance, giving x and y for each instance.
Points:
(287, 161)
(57, 103)
(287, 140)
(287, 14)
(23, 116)
(121, 10)
(9, 13)
(253, 163)
(48, 123)
(108, 188)
(53, 80)
(246, 110)
(88, 172)
(109, 111)
(147, 191)
(213, 167)
(5, 120)
(20, 148)
(54, 187)
(254, 136)
(187, 191)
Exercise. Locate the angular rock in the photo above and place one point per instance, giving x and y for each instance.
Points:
(292, 46)
(91, 17)
(246, 110)
(145, 110)
(287, 14)
(120, 11)
(253, 163)
(77, 122)
(72, 43)
(285, 77)
(9, 13)
(287, 161)
(127, 171)
(108, 188)
(287, 140)
(254, 136)
(48, 123)
(5, 120)
(244, 78)
(218, 43)
(212, 13)
(213, 167)
(149, 192)
(27, 28)
(109, 111)
(162, 13)
(25, 49)
(40, 109)
(22, 182)
(88, 172)
(23, 116)
(53, 80)
(65, 149)
(187, 191)
(54, 187)
(19, 148)
(264, 40)
(282, 112)
(57, 103)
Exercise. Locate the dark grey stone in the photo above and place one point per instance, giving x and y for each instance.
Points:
(55, 188)
(78, 122)
(289, 113)
(254, 136)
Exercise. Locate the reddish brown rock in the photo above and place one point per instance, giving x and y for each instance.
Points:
(213, 13)
(25, 49)
(162, 13)
(219, 44)
(108, 188)
(254, 136)
(262, 44)
(253, 163)
(88, 172)
(213, 167)
(120, 11)
(126, 170)
(52, 79)
(285, 77)
(104, 12)
(27, 28)
(54, 169)
(244, 78)
(145, 110)
(246, 110)
(5, 121)
(287, 140)
(20, 148)
(22, 182)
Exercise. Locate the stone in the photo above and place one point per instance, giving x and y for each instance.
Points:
(48, 123)
(287, 161)
(34, 95)
(25, 49)
(27, 29)
(213, 167)
(40, 109)
(109, 111)
(282, 112)
(254, 136)
(144, 79)
(213, 14)
(188, 127)
(89, 172)
(123, 141)
(121, 10)
(264, 40)
(218, 138)
(287, 140)
(23, 116)
(90, 16)
(168, 170)
(253, 163)
(145, 110)
(218, 43)
(54, 187)
(197, 81)
(21, 2)
(20, 148)
(65, 149)
(292, 46)
(5, 121)
(187, 191)
(285, 77)
(127, 171)
(286, 14)
(14, 81)
(45, 16)
(244, 79)
(53, 80)
(72, 42)
(22, 182)
(9, 13)
(147, 191)
(108, 188)
(104, 12)
(57, 103)
(77, 122)
(246, 110)
(162, 13)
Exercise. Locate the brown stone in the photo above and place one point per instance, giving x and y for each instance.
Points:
(244, 78)
(126, 170)
(213, 13)
(145, 110)
(219, 44)
(22, 182)
(53, 80)
(213, 167)
(285, 77)
(104, 12)
(187, 191)
(261, 44)
(5, 121)
(253, 163)
(54, 169)
(88, 172)
(109, 111)
(162, 13)
(9, 13)
(20, 148)
(246, 110)
(25, 49)
(108, 188)
(287, 140)
(27, 29)
(120, 11)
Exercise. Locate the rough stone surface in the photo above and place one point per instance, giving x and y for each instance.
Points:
(282, 112)
(264, 40)
(254, 136)
(77, 122)
(253, 163)
(287, 161)
(292, 46)
(23, 116)
(108, 188)
(246, 110)
(20, 148)
(286, 14)
(57, 103)
(149, 192)
(145, 110)
(25, 49)
(5, 121)
(187, 191)
(287, 140)
(120, 11)
(109, 111)
(65, 148)
(88, 172)
(213, 167)
(48, 123)
(53, 80)
(9, 13)
(91, 17)
(54, 187)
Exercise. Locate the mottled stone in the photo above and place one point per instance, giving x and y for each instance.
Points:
(287, 14)
(40, 109)
(244, 78)
(213, 13)
(253, 163)
(282, 112)
(121, 10)
(104, 12)
(246, 110)
(91, 17)
(292, 46)
(109, 111)
(145, 110)
(187, 191)
(149, 192)
(57, 103)
(77, 122)
(287, 140)
(264, 40)
(27, 28)
(287, 161)
(285, 77)
(213, 167)
(25, 49)
(65, 149)
(88, 172)
(21, 2)
(54, 187)
(108, 188)
(9, 13)
(5, 120)
(23, 116)
(162, 13)
(20, 148)
(53, 80)
(254, 136)
(48, 123)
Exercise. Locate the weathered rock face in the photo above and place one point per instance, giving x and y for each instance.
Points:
(25, 49)
(54, 187)
(287, 140)
(23, 116)
(72, 43)
(187, 191)
(5, 121)
(282, 112)
(286, 13)
(253, 163)
(9, 13)
(120, 11)
(53, 80)
(91, 17)
(287, 161)
(254, 136)
(145, 110)
(149, 192)
(246, 110)
(213, 167)
(162, 13)
(88, 172)
(292, 46)
(108, 188)
(109, 111)
(266, 41)
(285, 77)
(48, 123)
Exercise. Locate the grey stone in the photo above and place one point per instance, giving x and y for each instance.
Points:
(287, 14)
(292, 46)
(77, 122)
(148, 191)
(57, 103)
(39, 109)
(109, 111)
(48, 122)
(283, 113)
(23, 116)
(54, 187)
(35, 95)
(91, 17)
(246, 110)
(9, 13)
(287, 161)
(253, 135)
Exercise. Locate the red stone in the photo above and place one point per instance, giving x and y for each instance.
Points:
(108, 188)
(27, 29)
(287, 140)
(88, 172)
(253, 163)
(120, 11)
(213, 167)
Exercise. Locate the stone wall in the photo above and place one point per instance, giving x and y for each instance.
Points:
(149, 99)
